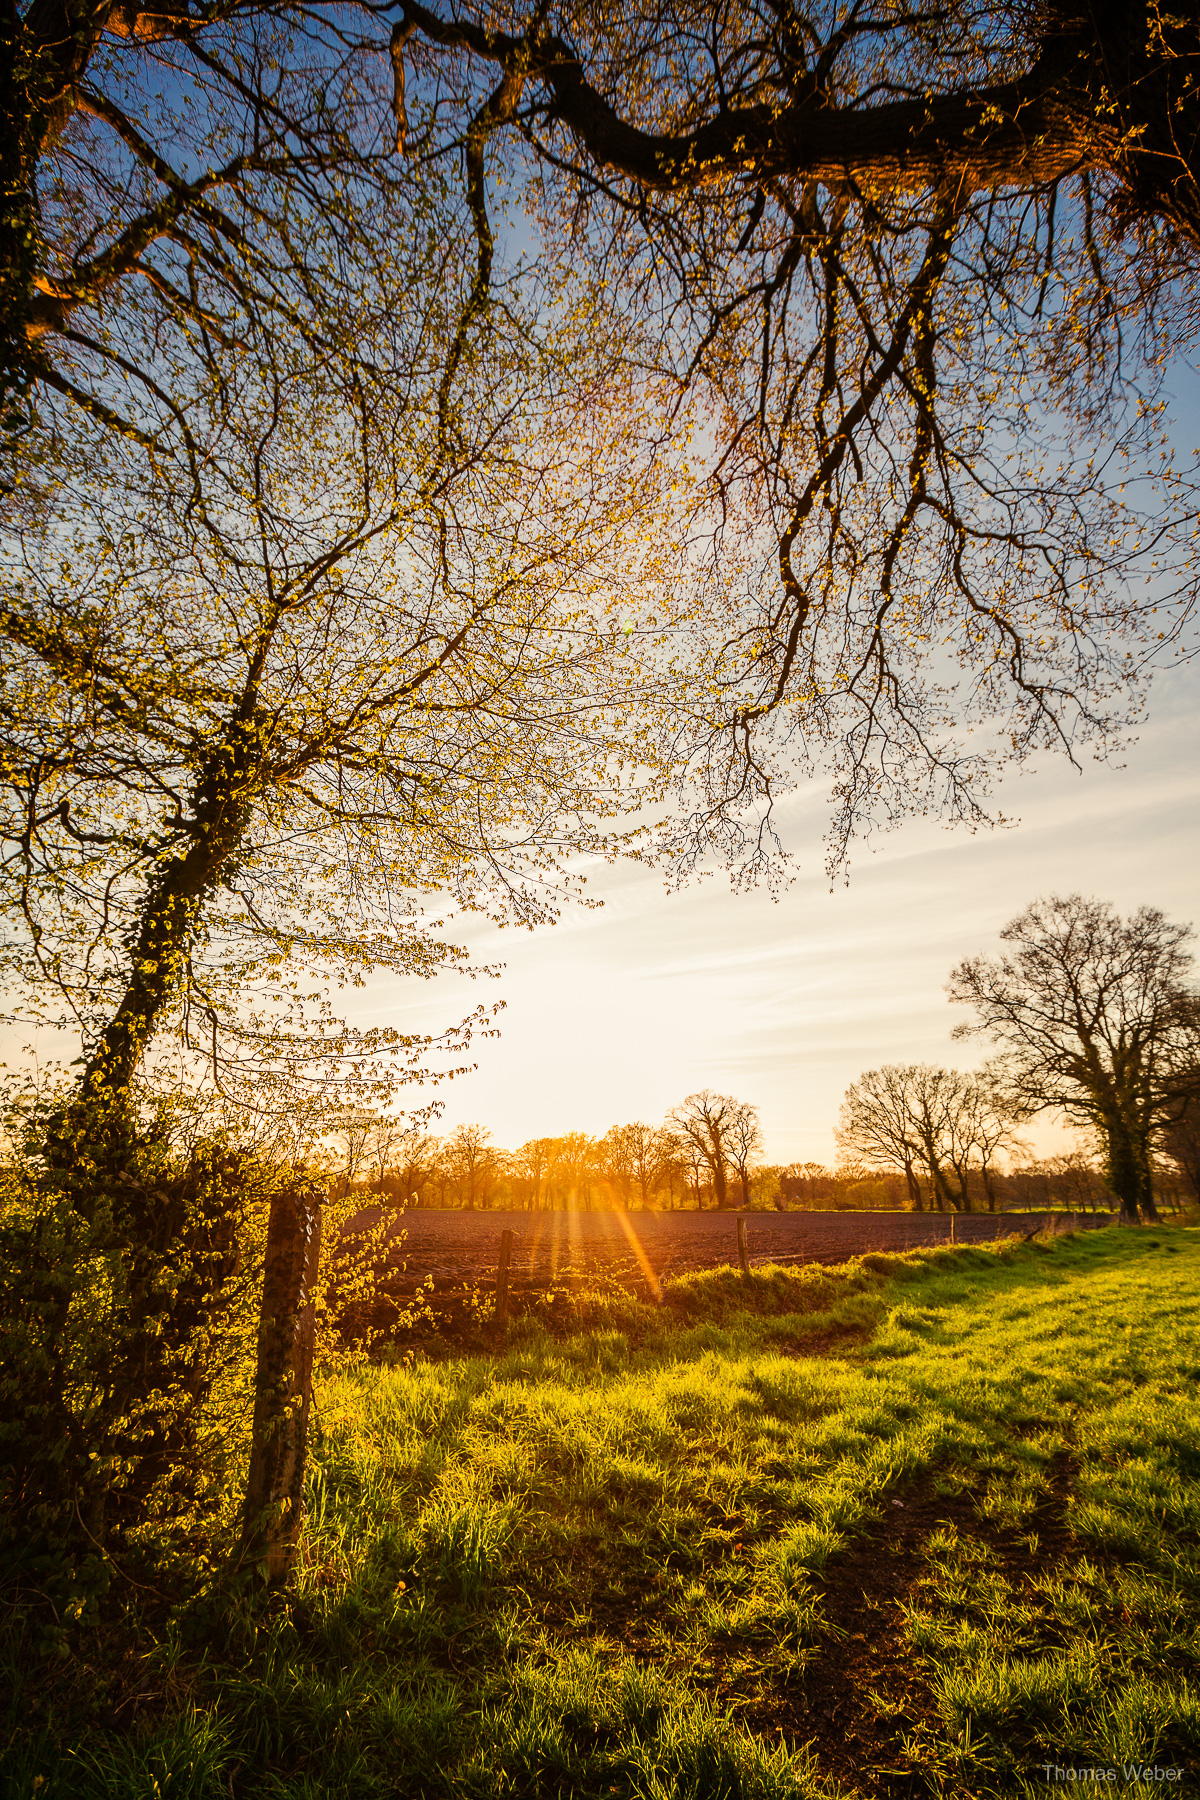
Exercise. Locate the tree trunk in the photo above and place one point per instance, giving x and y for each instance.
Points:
(720, 1184)
(914, 1188)
(962, 1200)
(936, 1189)
(283, 1383)
(1124, 1170)
(96, 1124)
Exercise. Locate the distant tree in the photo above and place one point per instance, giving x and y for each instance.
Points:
(976, 1115)
(672, 1169)
(1075, 1181)
(689, 1166)
(935, 1099)
(944, 1125)
(1180, 1139)
(383, 1139)
(616, 1161)
(530, 1166)
(1093, 1013)
(351, 1128)
(705, 1121)
(635, 1159)
(414, 1165)
(472, 1165)
(876, 1123)
(743, 1141)
(575, 1168)
(804, 1183)
(653, 1157)
(988, 1124)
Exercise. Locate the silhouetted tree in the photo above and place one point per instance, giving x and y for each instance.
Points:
(616, 1160)
(743, 1141)
(876, 1122)
(414, 1162)
(530, 1165)
(1092, 1013)
(472, 1164)
(942, 1122)
(705, 1121)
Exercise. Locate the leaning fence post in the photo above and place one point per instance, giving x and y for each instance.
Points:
(506, 1239)
(283, 1382)
(743, 1259)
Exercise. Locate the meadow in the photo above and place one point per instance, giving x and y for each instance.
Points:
(917, 1524)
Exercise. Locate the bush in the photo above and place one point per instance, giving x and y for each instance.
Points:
(128, 1294)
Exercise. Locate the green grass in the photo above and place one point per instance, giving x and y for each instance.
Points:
(912, 1526)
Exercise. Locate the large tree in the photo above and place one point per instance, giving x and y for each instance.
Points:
(313, 620)
(330, 631)
(1094, 1016)
(925, 268)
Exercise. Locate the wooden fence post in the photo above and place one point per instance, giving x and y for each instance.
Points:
(951, 1227)
(743, 1259)
(506, 1240)
(283, 1382)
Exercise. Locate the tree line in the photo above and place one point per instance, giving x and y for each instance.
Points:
(646, 1167)
(704, 1154)
(1094, 1020)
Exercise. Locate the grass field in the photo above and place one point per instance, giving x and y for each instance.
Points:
(916, 1525)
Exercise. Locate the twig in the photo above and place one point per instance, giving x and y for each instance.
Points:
(109, 1557)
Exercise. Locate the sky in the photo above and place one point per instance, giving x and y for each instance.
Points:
(618, 1013)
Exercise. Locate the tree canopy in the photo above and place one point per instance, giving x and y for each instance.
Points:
(917, 275)
(926, 267)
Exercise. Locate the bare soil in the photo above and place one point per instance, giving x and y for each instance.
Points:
(636, 1248)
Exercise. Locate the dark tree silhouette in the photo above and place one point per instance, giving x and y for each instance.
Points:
(743, 1141)
(704, 1122)
(1092, 1013)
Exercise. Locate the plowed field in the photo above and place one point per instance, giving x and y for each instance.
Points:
(457, 1247)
